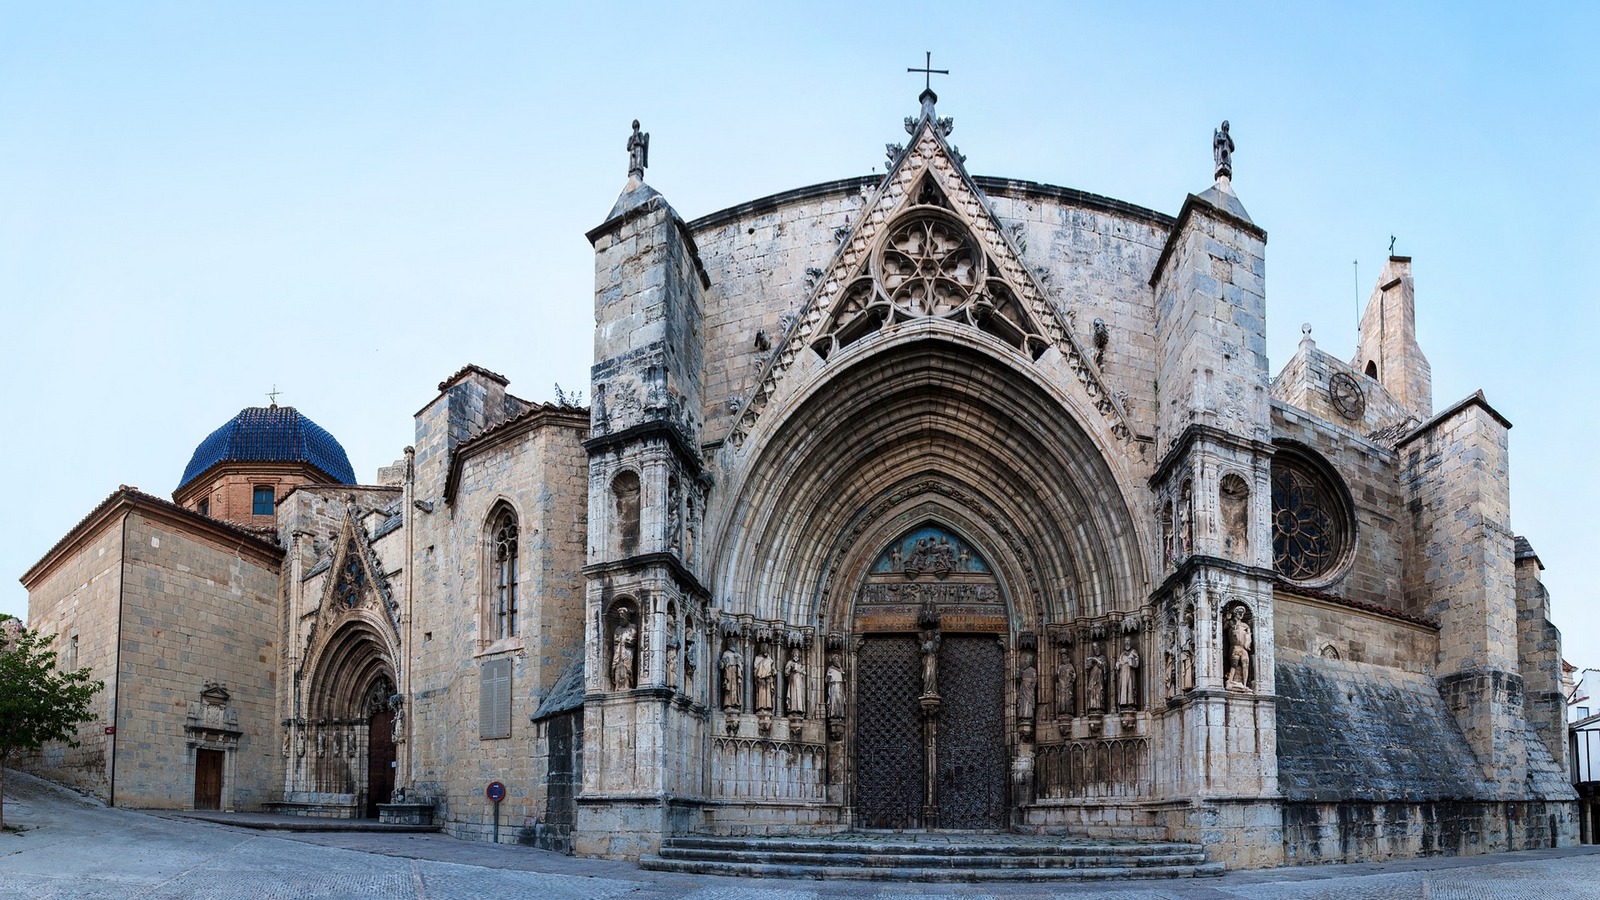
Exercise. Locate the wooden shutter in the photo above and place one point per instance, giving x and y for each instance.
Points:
(494, 699)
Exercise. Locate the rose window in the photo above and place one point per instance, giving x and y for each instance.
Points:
(929, 266)
(1310, 524)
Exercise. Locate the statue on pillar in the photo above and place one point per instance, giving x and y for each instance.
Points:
(765, 673)
(794, 694)
(1027, 687)
(835, 692)
(1221, 150)
(1128, 675)
(930, 663)
(1066, 685)
(732, 666)
(1094, 691)
(639, 151)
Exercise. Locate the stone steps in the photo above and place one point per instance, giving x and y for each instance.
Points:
(928, 858)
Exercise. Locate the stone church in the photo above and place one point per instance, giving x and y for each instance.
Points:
(923, 501)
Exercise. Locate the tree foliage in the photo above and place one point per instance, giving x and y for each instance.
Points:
(38, 702)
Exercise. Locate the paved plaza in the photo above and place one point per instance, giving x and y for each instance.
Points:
(75, 848)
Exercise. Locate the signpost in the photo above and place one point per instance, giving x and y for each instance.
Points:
(495, 792)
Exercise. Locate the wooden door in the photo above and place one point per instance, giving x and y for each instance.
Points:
(971, 761)
(890, 756)
(208, 779)
(380, 760)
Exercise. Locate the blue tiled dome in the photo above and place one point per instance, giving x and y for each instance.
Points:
(271, 434)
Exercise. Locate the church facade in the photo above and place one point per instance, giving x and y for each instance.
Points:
(921, 501)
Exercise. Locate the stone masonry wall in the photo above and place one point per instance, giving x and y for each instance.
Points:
(541, 473)
(193, 612)
(79, 598)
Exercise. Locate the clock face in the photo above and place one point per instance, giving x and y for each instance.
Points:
(1347, 396)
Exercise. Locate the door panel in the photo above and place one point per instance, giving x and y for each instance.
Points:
(890, 760)
(380, 761)
(208, 779)
(971, 752)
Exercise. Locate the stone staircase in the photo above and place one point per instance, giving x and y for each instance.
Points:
(931, 856)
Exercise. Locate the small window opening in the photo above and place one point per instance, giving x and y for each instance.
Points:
(204, 507)
(263, 503)
(1372, 370)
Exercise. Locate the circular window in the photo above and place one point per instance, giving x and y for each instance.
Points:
(929, 266)
(1311, 522)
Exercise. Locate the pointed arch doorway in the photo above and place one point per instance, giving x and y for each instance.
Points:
(929, 741)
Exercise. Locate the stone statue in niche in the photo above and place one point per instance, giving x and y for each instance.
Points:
(1233, 500)
(286, 739)
(1185, 521)
(930, 663)
(794, 687)
(397, 721)
(732, 666)
(1240, 644)
(835, 689)
(300, 743)
(1066, 685)
(765, 673)
(691, 653)
(673, 653)
(322, 742)
(1027, 687)
(1186, 651)
(624, 643)
(1222, 151)
(1128, 675)
(1094, 690)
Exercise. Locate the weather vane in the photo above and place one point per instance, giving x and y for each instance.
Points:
(928, 71)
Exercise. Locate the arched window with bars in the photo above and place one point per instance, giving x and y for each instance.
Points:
(503, 602)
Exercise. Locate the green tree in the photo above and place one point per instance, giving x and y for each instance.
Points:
(38, 703)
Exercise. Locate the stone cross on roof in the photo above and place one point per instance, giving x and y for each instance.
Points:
(928, 71)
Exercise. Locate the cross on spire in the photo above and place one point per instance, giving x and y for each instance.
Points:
(272, 395)
(928, 71)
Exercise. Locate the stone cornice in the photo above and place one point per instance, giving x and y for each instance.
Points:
(1197, 432)
(654, 428)
(1190, 205)
(685, 578)
(1476, 399)
(498, 435)
(1172, 583)
(127, 500)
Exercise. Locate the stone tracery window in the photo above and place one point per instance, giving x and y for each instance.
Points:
(928, 263)
(503, 575)
(1311, 524)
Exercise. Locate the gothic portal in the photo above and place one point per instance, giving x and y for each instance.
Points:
(919, 500)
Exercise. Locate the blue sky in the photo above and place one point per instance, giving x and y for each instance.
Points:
(350, 201)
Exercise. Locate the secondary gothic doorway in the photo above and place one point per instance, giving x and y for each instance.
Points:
(380, 760)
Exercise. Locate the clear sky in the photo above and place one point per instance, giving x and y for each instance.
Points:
(199, 201)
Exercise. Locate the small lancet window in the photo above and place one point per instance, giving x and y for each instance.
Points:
(504, 575)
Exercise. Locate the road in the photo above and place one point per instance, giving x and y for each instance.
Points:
(72, 847)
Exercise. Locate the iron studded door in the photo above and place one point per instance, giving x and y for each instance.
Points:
(889, 753)
(971, 752)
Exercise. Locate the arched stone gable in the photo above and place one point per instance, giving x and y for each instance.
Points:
(928, 162)
(941, 414)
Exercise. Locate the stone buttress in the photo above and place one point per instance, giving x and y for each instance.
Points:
(645, 701)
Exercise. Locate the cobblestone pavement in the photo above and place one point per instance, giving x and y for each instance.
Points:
(75, 848)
